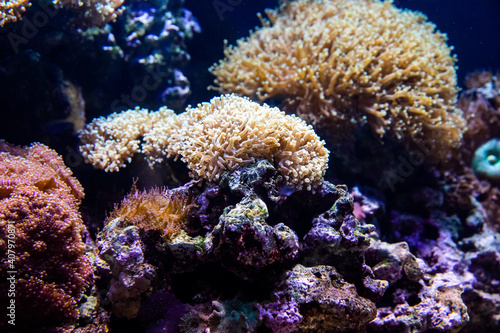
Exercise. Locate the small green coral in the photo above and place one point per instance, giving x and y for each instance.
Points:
(486, 161)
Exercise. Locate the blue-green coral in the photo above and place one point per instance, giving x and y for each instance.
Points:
(486, 161)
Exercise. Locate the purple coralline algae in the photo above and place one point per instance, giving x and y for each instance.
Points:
(318, 300)
(461, 255)
(244, 239)
(320, 271)
(121, 247)
(422, 302)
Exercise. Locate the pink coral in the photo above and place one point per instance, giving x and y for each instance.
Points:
(41, 226)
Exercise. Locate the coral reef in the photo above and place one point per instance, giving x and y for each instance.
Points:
(427, 303)
(89, 12)
(151, 37)
(440, 308)
(373, 64)
(235, 224)
(456, 247)
(324, 271)
(137, 59)
(42, 229)
(242, 237)
(221, 135)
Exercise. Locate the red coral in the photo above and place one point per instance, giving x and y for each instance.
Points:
(39, 211)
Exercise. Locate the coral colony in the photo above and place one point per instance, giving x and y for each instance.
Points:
(259, 225)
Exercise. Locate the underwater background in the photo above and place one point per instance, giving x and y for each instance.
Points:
(194, 166)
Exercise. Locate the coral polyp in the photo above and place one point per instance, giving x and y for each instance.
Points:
(158, 209)
(486, 161)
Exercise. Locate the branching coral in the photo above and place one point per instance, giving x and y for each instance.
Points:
(228, 132)
(163, 210)
(112, 141)
(39, 206)
(231, 131)
(11, 10)
(342, 63)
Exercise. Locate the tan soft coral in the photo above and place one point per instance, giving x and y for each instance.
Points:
(159, 209)
(231, 131)
(342, 63)
(112, 141)
(222, 135)
(11, 10)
